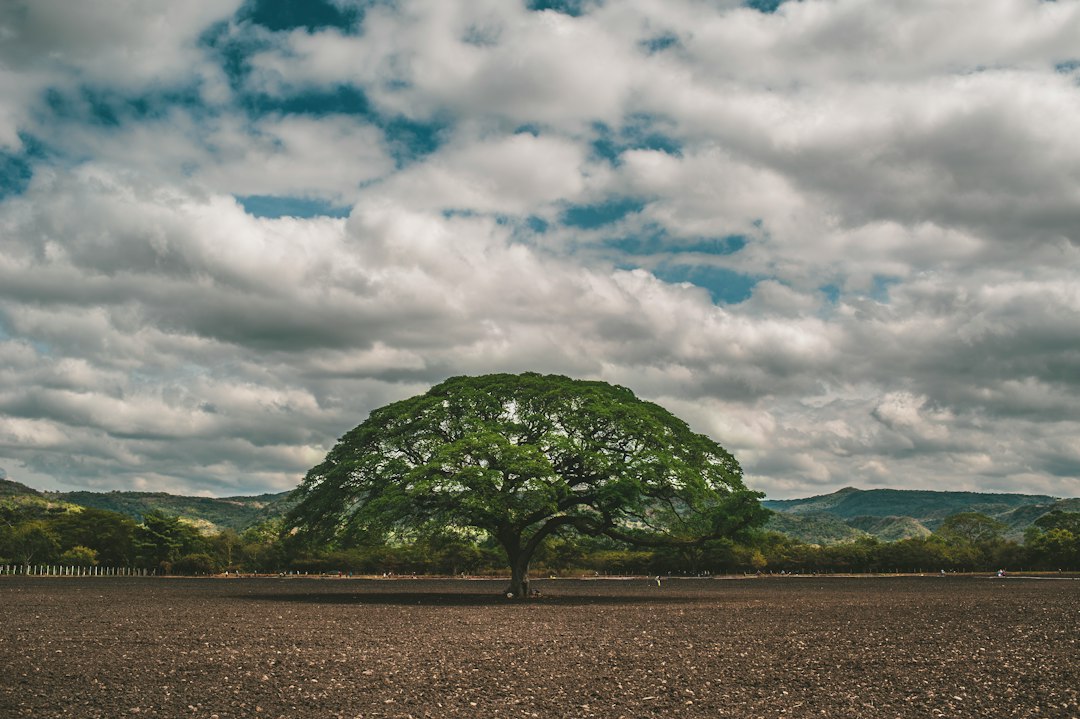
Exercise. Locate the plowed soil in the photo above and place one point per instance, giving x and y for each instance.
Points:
(770, 647)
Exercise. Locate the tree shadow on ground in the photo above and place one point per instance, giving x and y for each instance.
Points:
(456, 599)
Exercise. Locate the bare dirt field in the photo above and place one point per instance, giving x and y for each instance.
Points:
(771, 647)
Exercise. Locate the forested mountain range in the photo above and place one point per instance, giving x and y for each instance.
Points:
(208, 513)
(213, 513)
(844, 515)
(893, 514)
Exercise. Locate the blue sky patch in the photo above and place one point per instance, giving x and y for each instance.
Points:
(274, 206)
(410, 140)
(831, 292)
(640, 132)
(574, 8)
(765, 6)
(880, 290)
(606, 145)
(480, 36)
(660, 43)
(110, 108)
(523, 231)
(660, 243)
(407, 139)
(233, 51)
(311, 15)
(725, 286)
(657, 141)
(450, 213)
(79, 107)
(15, 173)
(536, 224)
(17, 168)
(342, 100)
(590, 217)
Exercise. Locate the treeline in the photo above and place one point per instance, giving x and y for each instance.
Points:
(965, 542)
(164, 544)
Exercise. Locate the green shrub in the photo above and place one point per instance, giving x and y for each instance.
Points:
(195, 564)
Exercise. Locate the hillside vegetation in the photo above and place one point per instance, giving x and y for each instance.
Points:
(9, 488)
(842, 516)
(211, 513)
(19, 500)
(848, 531)
(893, 514)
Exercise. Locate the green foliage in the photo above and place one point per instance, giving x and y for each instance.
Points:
(30, 542)
(523, 458)
(37, 528)
(1058, 548)
(890, 529)
(236, 513)
(916, 554)
(196, 564)
(1058, 519)
(973, 540)
(110, 535)
(79, 556)
(929, 507)
(20, 507)
(161, 539)
(892, 515)
(9, 488)
(813, 527)
(620, 561)
(971, 528)
(1054, 539)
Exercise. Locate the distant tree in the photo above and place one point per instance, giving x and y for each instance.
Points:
(559, 554)
(972, 539)
(1053, 540)
(226, 545)
(915, 554)
(1056, 549)
(196, 564)
(32, 542)
(1058, 519)
(453, 553)
(79, 556)
(161, 539)
(261, 548)
(109, 534)
(971, 528)
(524, 458)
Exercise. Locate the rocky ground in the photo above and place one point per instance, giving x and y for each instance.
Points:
(769, 647)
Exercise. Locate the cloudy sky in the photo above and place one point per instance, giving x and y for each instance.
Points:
(842, 237)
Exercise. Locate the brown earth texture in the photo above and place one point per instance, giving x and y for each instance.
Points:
(769, 647)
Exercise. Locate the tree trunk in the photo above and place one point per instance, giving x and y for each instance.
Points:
(520, 556)
(519, 577)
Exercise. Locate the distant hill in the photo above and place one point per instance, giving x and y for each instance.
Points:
(892, 514)
(842, 516)
(924, 505)
(8, 488)
(813, 527)
(210, 513)
(890, 529)
(19, 500)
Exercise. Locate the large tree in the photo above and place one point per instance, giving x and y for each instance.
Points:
(523, 458)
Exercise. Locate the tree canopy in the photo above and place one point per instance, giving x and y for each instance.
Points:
(522, 458)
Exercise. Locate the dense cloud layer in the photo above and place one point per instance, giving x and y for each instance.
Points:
(841, 238)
